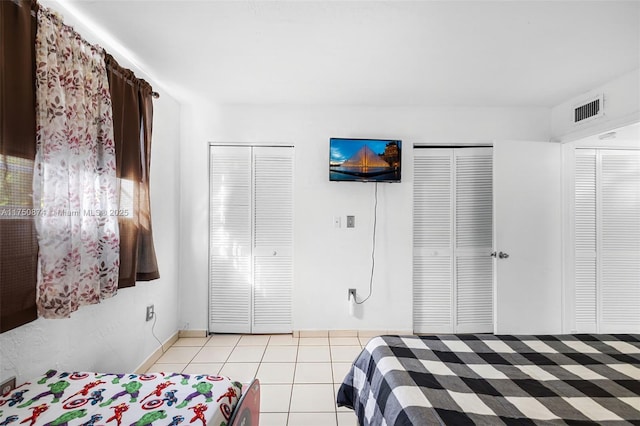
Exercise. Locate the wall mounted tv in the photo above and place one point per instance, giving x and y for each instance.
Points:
(364, 160)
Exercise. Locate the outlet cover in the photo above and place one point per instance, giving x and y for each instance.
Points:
(7, 386)
(351, 221)
(150, 312)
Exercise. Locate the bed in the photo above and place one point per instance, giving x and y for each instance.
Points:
(92, 399)
(491, 380)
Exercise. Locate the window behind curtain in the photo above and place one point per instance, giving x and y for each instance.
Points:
(18, 242)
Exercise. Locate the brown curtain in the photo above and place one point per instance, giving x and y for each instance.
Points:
(147, 268)
(18, 247)
(132, 120)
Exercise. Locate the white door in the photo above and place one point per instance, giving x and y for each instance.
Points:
(251, 239)
(230, 242)
(527, 221)
(273, 239)
(606, 287)
(473, 231)
(452, 267)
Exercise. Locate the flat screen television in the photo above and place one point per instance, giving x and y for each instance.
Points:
(364, 160)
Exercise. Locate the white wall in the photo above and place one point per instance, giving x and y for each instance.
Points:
(328, 261)
(113, 335)
(621, 107)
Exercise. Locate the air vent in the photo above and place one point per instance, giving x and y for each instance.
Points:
(589, 110)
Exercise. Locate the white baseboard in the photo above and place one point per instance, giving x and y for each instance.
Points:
(349, 333)
(151, 359)
(193, 333)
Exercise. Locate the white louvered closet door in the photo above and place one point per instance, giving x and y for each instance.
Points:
(453, 270)
(251, 239)
(432, 241)
(607, 241)
(585, 241)
(230, 239)
(473, 232)
(273, 239)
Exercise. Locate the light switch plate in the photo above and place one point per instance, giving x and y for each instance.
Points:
(351, 221)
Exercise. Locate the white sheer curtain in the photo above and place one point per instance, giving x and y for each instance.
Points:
(74, 187)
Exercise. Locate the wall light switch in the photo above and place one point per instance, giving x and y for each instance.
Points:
(337, 222)
(351, 221)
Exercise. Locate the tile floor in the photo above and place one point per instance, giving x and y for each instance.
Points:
(299, 376)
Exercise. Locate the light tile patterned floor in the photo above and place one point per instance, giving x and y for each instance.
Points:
(299, 376)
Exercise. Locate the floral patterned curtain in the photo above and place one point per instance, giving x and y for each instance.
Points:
(74, 175)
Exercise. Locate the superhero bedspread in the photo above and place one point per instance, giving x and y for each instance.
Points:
(92, 399)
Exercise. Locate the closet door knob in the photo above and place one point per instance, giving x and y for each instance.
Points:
(275, 252)
(502, 255)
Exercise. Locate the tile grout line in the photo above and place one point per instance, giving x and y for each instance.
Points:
(333, 388)
(188, 362)
(261, 359)
(196, 354)
(293, 380)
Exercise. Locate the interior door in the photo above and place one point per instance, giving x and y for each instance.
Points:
(452, 240)
(619, 241)
(473, 229)
(527, 186)
(432, 241)
(230, 254)
(273, 239)
(251, 239)
(606, 292)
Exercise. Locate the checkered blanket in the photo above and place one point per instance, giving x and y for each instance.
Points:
(494, 380)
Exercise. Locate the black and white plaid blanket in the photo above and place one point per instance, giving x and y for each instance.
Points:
(492, 380)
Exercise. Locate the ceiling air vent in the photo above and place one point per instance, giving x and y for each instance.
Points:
(589, 110)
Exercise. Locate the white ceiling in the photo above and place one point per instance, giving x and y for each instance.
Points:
(396, 53)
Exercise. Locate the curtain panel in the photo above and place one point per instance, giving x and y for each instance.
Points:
(19, 246)
(132, 122)
(75, 172)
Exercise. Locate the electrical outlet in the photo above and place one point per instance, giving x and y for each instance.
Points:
(7, 386)
(351, 221)
(352, 291)
(150, 312)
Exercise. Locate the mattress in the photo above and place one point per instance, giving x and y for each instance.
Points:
(91, 399)
(493, 380)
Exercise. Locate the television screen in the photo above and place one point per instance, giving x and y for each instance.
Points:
(365, 160)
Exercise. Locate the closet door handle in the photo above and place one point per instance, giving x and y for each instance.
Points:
(275, 253)
(501, 255)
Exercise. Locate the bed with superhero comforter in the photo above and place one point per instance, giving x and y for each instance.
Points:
(92, 399)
